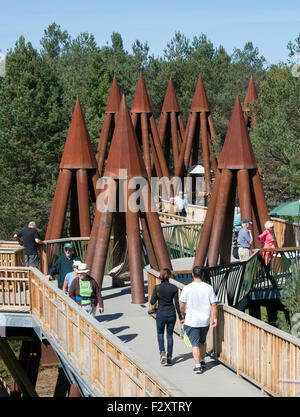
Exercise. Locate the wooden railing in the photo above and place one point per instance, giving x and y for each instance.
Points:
(14, 289)
(167, 218)
(104, 362)
(194, 212)
(285, 232)
(11, 253)
(255, 350)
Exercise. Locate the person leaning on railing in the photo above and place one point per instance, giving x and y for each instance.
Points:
(30, 242)
(85, 291)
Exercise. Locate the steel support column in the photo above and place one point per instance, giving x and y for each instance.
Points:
(219, 218)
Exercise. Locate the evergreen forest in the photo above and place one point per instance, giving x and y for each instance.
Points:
(40, 87)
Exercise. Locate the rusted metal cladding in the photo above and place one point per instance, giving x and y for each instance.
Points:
(124, 153)
(57, 193)
(250, 98)
(244, 194)
(171, 125)
(135, 253)
(259, 196)
(89, 257)
(158, 147)
(148, 243)
(101, 247)
(157, 237)
(78, 152)
(203, 243)
(114, 98)
(220, 217)
(205, 151)
(141, 102)
(186, 148)
(104, 136)
(74, 210)
(83, 202)
(170, 103)
(199, 116)
(200, 102)
(78, 158)
(123, 164)
(175, 140)
(145, 141)
(141, 105)
(119, 235)
(60, 205)
(107, 130)
(226, 240)
(251, 95)
(237, 138)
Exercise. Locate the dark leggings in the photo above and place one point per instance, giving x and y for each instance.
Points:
(161, 322)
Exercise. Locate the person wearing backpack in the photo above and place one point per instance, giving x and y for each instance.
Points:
(85, 291)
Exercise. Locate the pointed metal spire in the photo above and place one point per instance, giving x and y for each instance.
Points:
(141, 102)
(237, 169)
(200, 102)
(251, 94)
(78, 151)
(124, 150)
(170, 103)
(114, 99)
(237, 152)
(77, 177)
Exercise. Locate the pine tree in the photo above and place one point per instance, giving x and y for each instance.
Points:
(290, 298)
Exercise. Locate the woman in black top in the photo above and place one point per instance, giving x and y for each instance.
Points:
(167, 296)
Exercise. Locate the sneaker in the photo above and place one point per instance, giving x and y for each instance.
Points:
(203, 365)
(169, 361)
(163, 358)
(198, 370)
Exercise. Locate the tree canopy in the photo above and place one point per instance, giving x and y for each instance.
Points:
(40, 87)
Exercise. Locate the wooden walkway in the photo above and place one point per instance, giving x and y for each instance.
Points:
(116, 354)
(132, 325)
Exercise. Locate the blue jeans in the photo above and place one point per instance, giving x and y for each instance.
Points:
(161, 322)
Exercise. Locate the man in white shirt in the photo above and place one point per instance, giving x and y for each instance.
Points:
(180, 201)
(197, 300)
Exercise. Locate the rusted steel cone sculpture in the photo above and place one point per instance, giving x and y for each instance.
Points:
(147, 133)
(236, 169)
(171, 126)
(251, 97)
(125, 164)
(108, 126)
(78, 174)
(199, 120)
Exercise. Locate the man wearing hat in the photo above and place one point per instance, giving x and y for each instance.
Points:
(85, 291)
(63, 265)
(244, 240)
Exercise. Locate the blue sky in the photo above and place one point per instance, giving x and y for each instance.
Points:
(270, 25)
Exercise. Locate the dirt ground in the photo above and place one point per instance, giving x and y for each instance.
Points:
(46, 381)
(45, 385)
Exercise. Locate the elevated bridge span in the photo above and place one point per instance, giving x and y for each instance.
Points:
(116, 354)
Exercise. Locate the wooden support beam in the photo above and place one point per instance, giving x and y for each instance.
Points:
(17, 371)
